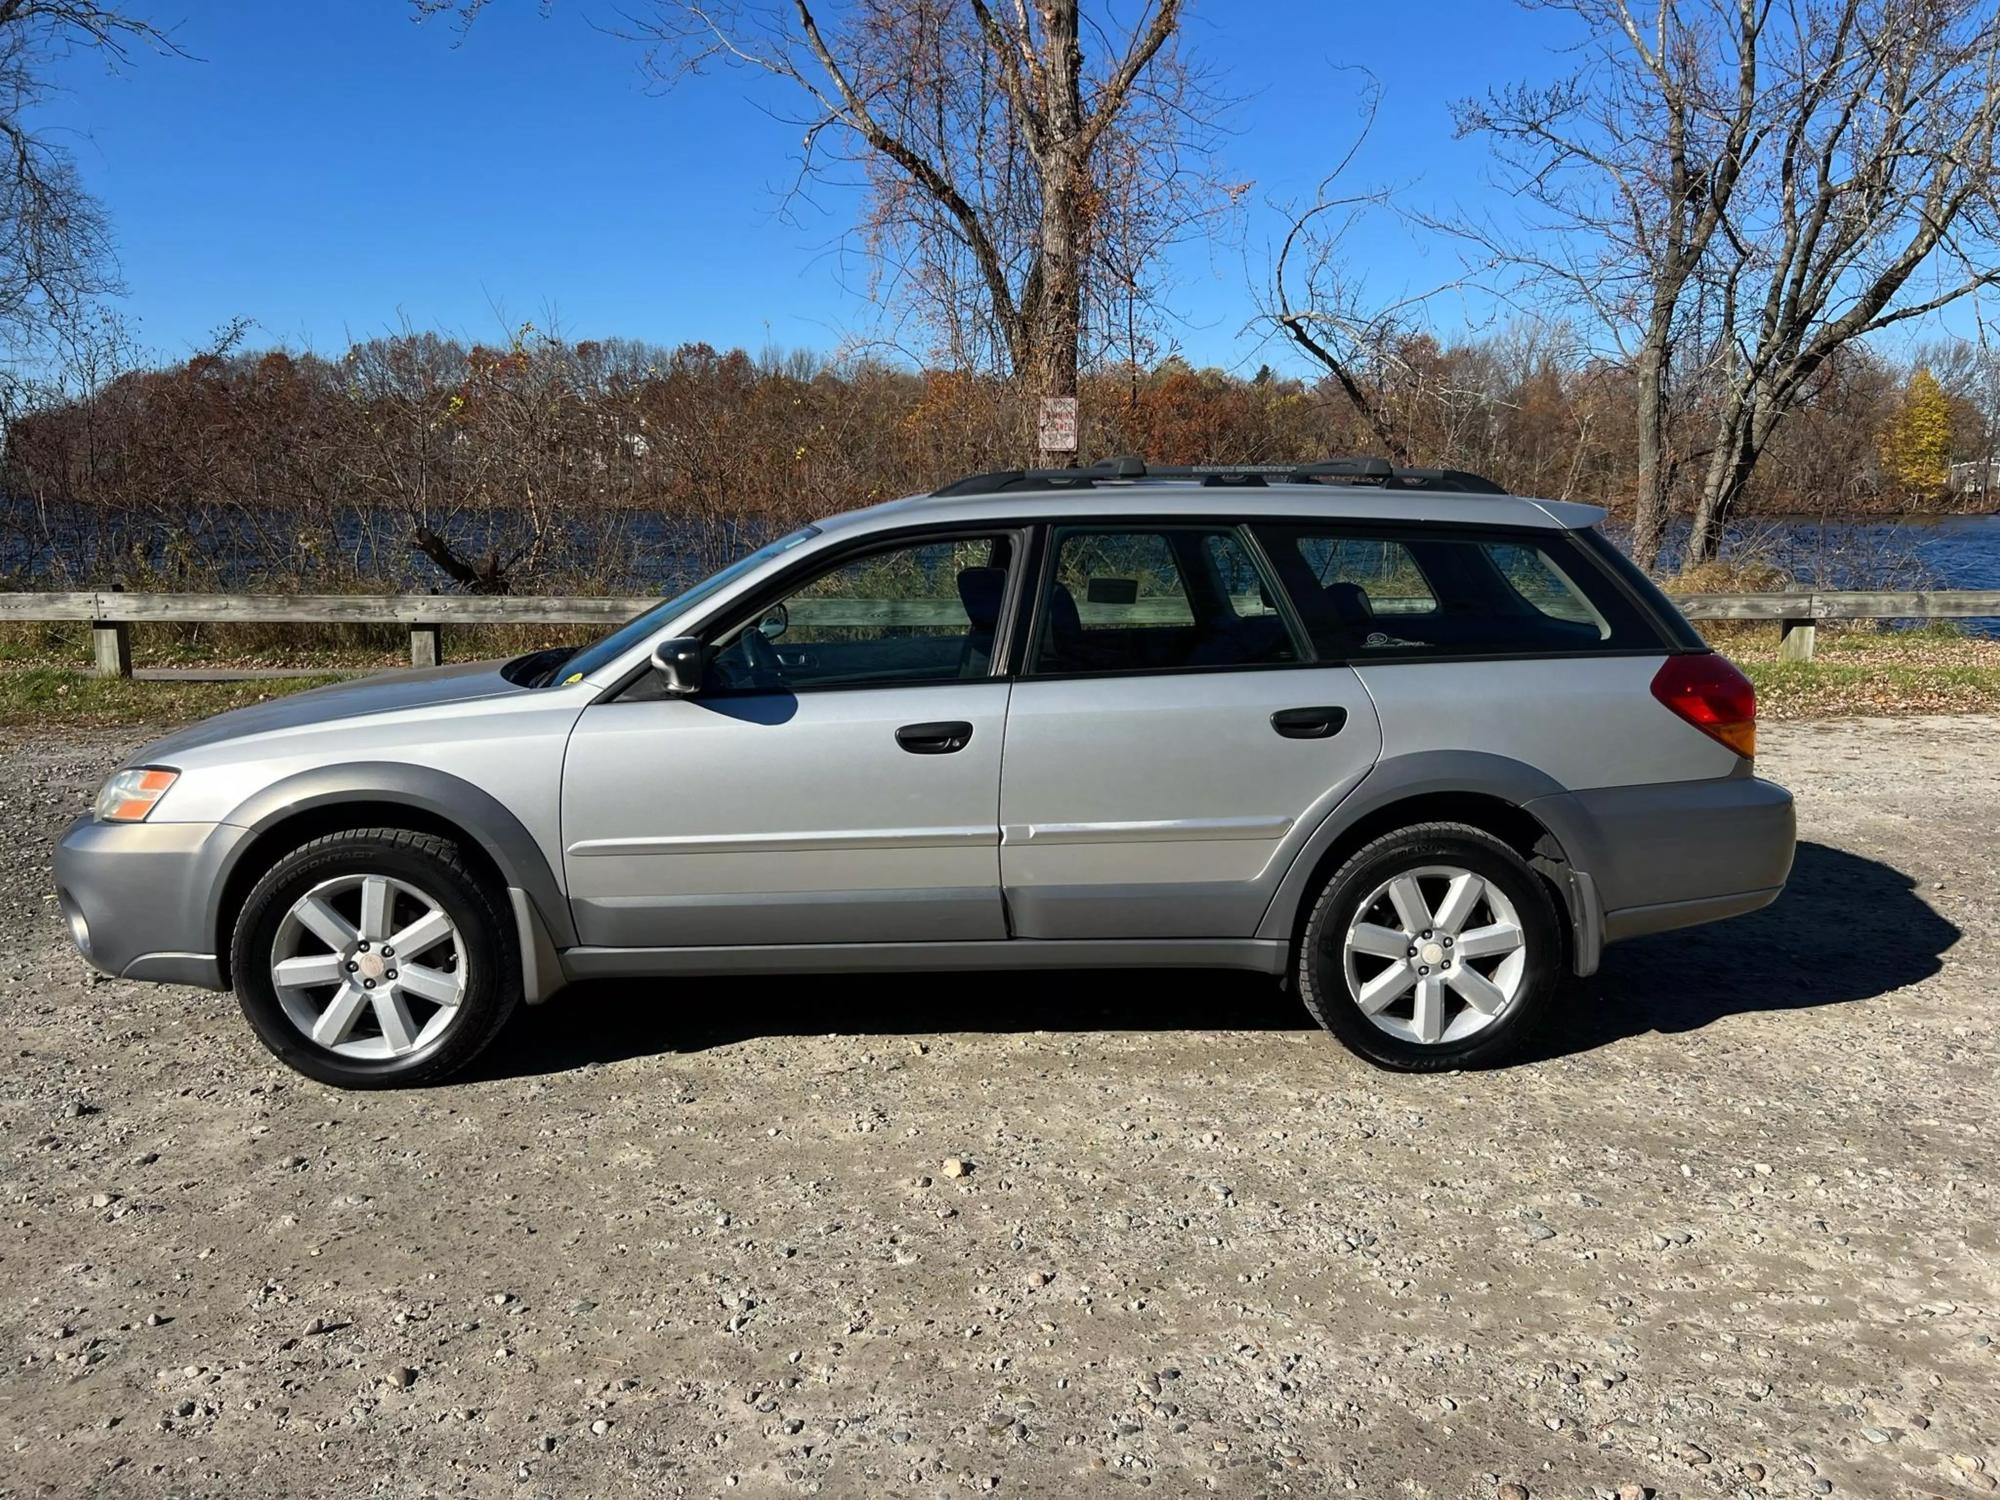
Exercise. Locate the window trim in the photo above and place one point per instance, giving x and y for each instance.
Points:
(827, 560)
(1552, 540)
(1303, 648)
(1024, 603)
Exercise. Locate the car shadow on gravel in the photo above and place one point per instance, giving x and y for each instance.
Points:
(1847, 928)
(609, 1020)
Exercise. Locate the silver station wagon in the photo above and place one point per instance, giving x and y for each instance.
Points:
(1414, 744)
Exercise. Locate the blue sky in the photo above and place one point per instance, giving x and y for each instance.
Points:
(332, 170)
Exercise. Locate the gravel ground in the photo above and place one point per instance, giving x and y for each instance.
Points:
(1732, 1233)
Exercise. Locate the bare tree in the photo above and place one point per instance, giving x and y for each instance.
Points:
(1875, 200)
(1628, 166)
(55, 250)
(1026, 162)
(1315, 299)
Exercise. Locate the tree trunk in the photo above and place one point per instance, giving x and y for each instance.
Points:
(1057, 313)
(1053, 361)
(476, 576)
(1649, 506)
(1745, 427)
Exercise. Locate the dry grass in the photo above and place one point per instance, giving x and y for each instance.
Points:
(1858, 670)
(1863, 670)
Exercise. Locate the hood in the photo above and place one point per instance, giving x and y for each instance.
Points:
(387, 692)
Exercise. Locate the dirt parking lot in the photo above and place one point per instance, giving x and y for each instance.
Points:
(1733, 1232)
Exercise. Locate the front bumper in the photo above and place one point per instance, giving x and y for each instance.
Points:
(140, 898)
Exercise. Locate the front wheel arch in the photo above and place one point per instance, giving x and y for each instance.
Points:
(336, 799)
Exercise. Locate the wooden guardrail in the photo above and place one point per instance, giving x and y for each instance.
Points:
(111, 613)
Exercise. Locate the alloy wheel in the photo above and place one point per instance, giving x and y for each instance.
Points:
(369, 967)
(1435, 954)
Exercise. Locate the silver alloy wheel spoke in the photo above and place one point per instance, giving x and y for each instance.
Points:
(342, 972)
(326, 924)
(428, 984)
(338, 1018)
(432, 928)
(1435, 971)
(1485, 942)
(1411, 909)
(1477, 991)
(1428, 1013)
(375, 908)
(1459, 900)
(1386, 986)
(311, 968)
(1383, 942)
(393, 1016)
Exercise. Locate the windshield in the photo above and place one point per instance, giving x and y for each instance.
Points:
(630, 634)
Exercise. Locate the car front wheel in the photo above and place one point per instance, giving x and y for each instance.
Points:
(1432, 947)
(375, 958)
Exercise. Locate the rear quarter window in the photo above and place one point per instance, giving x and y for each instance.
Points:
(1402, 593)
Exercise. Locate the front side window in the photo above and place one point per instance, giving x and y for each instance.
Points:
(580, 664)
(920, 612)
(1156, 600)
(1414, 595)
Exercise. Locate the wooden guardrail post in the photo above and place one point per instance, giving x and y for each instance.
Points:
(111, 648)
(426, 645)
(1796, 639)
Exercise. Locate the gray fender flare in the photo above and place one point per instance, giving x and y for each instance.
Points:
(541, 910)
(1429, 773)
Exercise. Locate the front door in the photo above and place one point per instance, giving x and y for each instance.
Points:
(835, 781)
(1170, 746)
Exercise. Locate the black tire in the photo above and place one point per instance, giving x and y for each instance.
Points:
(433, 865)
(1322, 971)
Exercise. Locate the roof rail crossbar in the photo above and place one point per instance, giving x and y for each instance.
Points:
(1378, 472)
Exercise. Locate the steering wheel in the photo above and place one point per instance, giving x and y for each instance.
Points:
(765, 668)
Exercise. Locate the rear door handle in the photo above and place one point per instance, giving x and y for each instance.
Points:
(1309, 723)
(941, 738)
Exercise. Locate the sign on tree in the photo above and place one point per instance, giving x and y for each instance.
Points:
(1058, 425)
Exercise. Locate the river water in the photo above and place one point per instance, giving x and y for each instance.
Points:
(652, 552)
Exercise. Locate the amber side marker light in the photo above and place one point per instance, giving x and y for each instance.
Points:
(1711, 693)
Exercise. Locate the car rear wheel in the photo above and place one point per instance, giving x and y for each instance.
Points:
(375, 958)
(1432, 947)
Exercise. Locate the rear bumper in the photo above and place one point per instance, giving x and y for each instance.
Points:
(1677, 853)
(138, 897)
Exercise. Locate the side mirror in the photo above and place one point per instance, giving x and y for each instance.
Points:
(679, 661)
(777, 620)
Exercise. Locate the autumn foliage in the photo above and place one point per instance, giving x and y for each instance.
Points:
(540, 464)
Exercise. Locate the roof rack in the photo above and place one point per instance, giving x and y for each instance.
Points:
(1376, 472)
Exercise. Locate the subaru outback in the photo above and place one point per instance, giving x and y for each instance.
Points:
(1414, 744)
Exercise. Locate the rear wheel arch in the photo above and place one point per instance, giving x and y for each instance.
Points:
(1490, 793)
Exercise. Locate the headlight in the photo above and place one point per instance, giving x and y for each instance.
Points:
(128, 796)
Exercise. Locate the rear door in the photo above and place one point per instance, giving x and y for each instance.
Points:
(1171, 742)
(1508, 642)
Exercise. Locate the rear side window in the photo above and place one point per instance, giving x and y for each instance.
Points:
(1413, 594)
(1380, 573)
(1156, 600)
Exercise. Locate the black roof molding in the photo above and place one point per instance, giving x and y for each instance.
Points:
(1378, 473)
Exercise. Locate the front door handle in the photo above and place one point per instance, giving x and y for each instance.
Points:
(941, 738)
(1309, 723)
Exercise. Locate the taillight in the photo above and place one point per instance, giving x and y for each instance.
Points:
(1710, 693)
